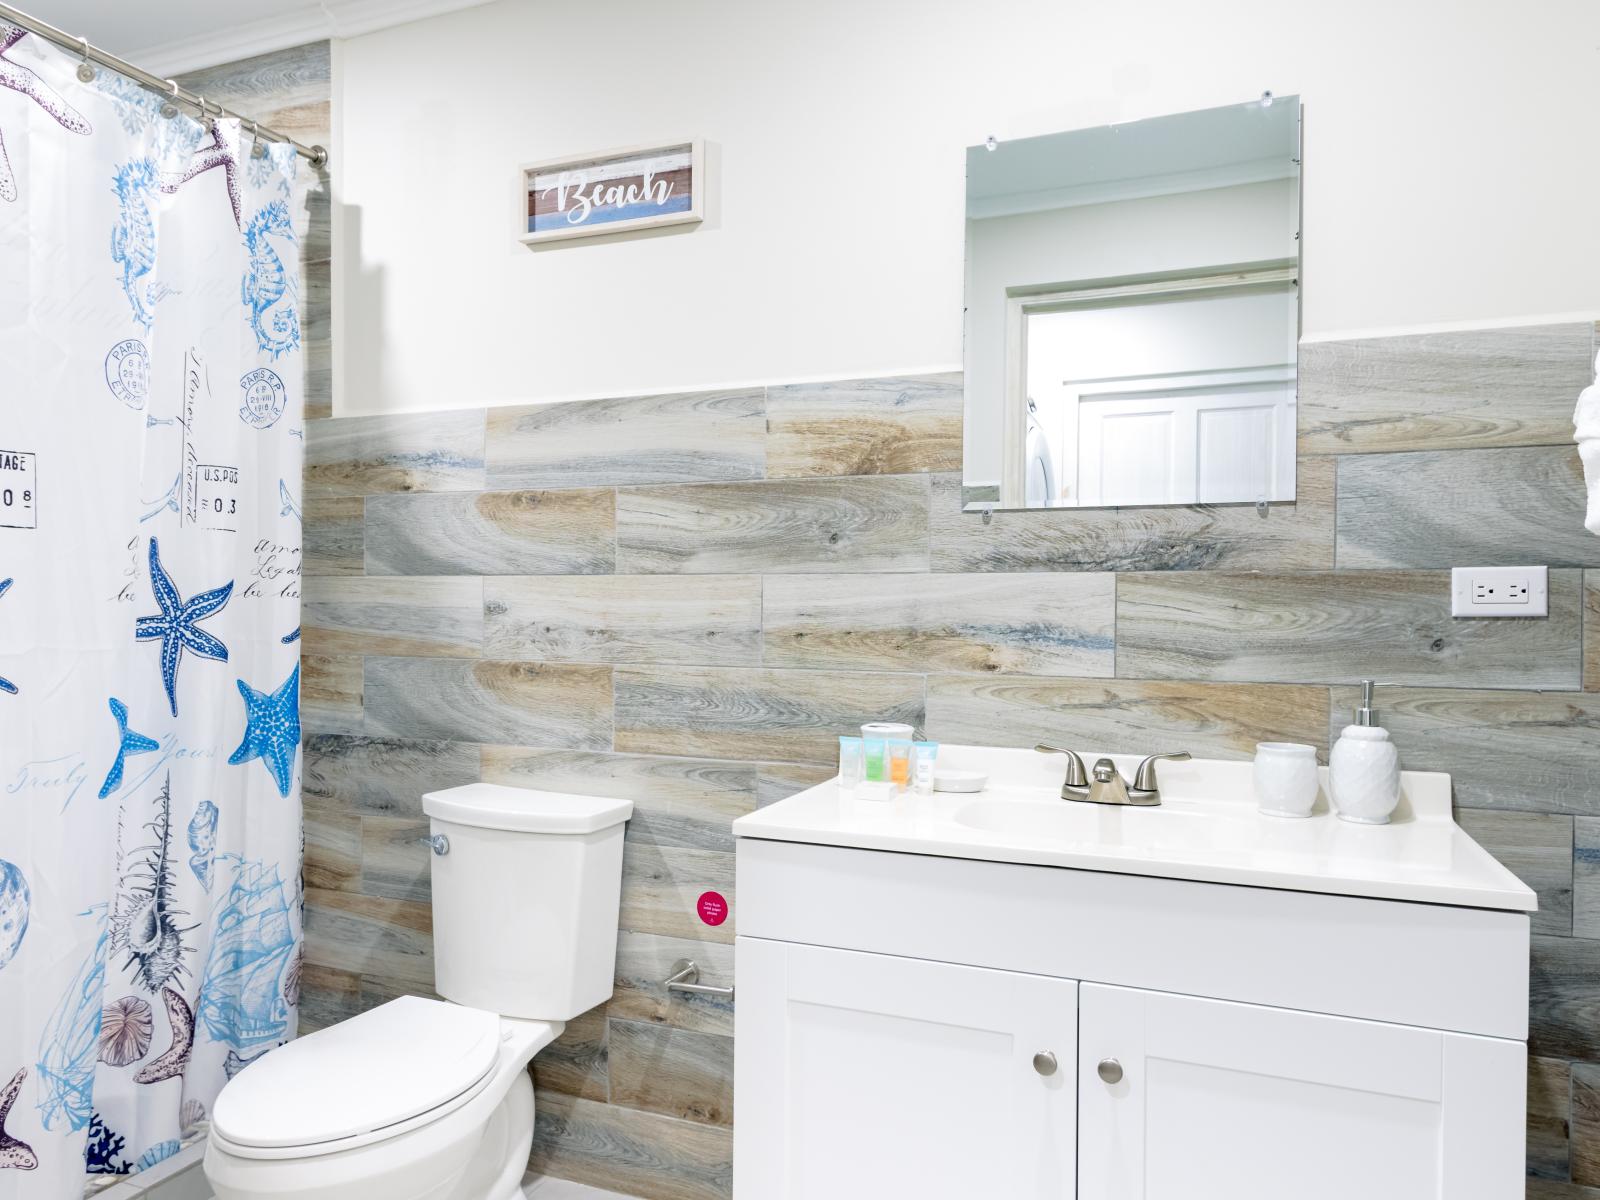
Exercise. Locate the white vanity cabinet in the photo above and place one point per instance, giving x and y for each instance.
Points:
(1210, 1041)
(1216, 1100)
(882, 1076)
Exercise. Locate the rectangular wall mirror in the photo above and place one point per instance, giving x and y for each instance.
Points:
(1133, 312)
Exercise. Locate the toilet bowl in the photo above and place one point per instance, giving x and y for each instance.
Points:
(424, 1099)
(416, 1100)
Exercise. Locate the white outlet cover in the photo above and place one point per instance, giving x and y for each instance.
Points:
(1500, 591)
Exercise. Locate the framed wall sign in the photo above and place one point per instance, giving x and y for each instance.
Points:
(644, 187)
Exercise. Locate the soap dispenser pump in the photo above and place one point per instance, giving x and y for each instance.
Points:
(1364, 768)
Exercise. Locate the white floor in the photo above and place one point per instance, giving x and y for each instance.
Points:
(538, 1188)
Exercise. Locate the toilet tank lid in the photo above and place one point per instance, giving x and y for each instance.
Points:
(525, 810)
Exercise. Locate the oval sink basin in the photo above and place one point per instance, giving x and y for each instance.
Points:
(1080, 823)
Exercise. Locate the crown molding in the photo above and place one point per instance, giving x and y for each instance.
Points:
(311, 23)
(1172, 183)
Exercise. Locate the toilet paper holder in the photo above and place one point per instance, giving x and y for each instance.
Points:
(685, 977)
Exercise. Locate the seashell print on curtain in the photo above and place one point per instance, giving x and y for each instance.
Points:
(126, 1025)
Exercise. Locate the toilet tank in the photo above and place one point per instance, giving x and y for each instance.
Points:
(526, 889)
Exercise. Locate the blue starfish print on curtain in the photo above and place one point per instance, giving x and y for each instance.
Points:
(5, 684)
(20, 79)
(130, 743)
(272, 729)
(175, 624)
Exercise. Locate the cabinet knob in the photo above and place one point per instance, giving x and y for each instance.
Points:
(1044, 1062)
(1110, 1070)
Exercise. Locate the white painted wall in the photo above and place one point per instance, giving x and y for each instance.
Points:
(1217, 333)
(1159, 234)
(1450, 176)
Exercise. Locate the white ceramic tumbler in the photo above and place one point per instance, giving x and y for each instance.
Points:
(1286, 778)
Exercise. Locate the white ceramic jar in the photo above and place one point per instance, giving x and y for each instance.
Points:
(1286, 779)
(1364, 775)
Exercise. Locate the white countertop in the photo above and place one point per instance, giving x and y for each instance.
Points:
(1206, 828)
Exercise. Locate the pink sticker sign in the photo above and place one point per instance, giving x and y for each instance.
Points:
(712, 907)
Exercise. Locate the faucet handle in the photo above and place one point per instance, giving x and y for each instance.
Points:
(1077, 777)
(1144, 779)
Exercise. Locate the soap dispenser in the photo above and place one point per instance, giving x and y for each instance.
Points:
(1364, 768)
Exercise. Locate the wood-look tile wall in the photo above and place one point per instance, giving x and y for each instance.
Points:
(684, 599)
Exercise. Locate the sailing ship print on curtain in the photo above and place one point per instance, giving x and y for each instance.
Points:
(150, 453)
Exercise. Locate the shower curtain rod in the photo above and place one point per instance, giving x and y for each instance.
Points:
(317, 155)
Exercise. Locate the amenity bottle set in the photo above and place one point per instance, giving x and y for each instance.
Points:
(887, 760)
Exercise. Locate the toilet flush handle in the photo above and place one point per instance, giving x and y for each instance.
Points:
(439, 843)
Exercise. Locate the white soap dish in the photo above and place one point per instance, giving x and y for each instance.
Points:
(959, 781)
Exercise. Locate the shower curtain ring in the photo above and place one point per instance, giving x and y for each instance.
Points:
(257, 150)
(86, 72)
(169, 108)
(205, 116)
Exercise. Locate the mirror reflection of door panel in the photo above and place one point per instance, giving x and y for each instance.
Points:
(1228, 444)
(1130, 453)
(1240, 448)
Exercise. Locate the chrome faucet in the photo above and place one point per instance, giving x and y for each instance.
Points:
(1107, 785)
(1110, 788)
(1076, 785)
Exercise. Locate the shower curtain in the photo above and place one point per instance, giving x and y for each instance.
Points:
(150, 463)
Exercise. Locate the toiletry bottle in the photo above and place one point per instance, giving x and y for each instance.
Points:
(899, 759)
(924, 755)
(1364, 768)
(874, 751)
(852, 764)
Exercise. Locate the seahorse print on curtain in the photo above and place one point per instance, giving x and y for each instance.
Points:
(150, 840)
(267, 287)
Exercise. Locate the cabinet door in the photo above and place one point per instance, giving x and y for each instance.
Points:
(1220, 1101)
(865, 1076)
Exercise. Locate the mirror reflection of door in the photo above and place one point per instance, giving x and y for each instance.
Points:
(1133, 313)
(1212, 444)
(1180, 399)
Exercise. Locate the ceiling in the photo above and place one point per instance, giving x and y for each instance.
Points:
(170, 36)
(1239, 143)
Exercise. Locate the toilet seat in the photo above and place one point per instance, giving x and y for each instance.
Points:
(404, 1064)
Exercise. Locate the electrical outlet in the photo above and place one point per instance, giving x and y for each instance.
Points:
(1500, 592)
(1495, 592)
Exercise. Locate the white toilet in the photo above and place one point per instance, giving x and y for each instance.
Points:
(427, 1099)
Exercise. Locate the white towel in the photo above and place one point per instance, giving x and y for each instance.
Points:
(1587, 422)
